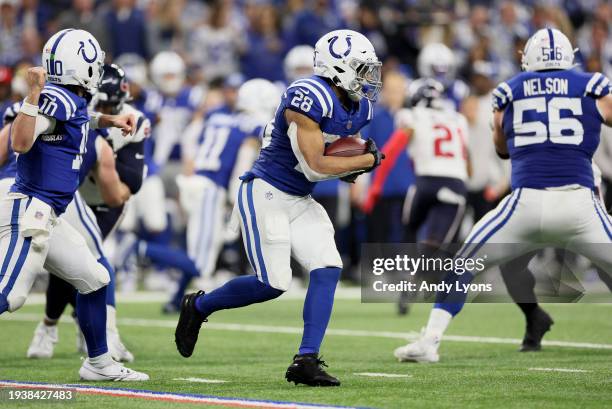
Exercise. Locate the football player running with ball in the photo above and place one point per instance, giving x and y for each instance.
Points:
(278, 217)
(547, 120)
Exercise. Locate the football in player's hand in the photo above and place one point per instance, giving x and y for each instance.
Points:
(346, 147)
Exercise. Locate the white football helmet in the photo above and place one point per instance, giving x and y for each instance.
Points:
(259, 98)
(298, 63)
(548, 49)
(168, 72)
(348, 59)
(135, 68)
(437, 61)
(73, 57)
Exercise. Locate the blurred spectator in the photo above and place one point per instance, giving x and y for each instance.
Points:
(82, 15)
(312, 19)
(10, 33)
(214, 46)
(6, 75)
(383, 222)
(35, 15)
(127, 29)
(31, 46)
(264, 48)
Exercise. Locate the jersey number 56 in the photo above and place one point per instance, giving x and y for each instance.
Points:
(538, 131)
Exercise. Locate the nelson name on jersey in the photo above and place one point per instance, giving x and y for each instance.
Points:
(545, 86)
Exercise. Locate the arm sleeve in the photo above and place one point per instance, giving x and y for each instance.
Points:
(130, 165)
(502, 96)
(598, 86)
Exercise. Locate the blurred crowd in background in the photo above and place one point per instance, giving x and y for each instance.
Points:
(225, 42)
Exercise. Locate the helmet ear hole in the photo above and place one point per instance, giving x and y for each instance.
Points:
(90, 71)
(339, 70)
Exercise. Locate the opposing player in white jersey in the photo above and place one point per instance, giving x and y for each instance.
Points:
(547, 120)
(435, 134)
(279, 218)
(50, 134)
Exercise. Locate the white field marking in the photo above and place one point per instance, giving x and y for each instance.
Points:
(559, 370)
(200, 380)
(169, 396)
(137, 322)
(383, 375)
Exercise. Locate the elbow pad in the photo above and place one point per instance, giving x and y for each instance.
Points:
(311, 175)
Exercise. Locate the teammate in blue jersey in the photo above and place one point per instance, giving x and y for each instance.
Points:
(547, 120)
(106, 183)
(278, 217)
(227, 147)
(50, 135)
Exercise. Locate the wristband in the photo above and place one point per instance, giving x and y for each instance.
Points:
(29, 109)
(94, 118)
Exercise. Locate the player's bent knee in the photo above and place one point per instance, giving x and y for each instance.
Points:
(15, 301)
(98, 278)
(282, 282)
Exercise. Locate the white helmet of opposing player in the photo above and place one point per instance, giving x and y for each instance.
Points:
(298, 63)
(73, 57)
(259, 98)
(548, 49)
(168, 72)
(348, 59)
(437, 61)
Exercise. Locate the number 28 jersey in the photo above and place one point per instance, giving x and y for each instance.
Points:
(438, 144)
(49, 171)
(552, 126)
(314, 98)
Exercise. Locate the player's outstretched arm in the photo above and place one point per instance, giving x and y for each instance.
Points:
(125, 122)
(604, 105)
(309, 146)
(113, 191)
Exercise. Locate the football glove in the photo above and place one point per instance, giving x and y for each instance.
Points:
(378, 155)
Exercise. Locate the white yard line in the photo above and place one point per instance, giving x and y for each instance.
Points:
(382, 375)
(138, 322)
(559, 370)
(200, 380)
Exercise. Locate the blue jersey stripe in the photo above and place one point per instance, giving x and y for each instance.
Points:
(54, 49)
(605, 222)
(496, 228)
(91, 233)
(262, 264)
(246, 228)
(23, 254)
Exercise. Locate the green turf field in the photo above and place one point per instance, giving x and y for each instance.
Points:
(252, 358)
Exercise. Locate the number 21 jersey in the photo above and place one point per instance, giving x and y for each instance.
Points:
(552, 126)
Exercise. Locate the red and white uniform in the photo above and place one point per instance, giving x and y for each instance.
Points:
(438, 144)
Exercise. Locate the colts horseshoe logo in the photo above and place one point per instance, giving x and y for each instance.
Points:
(82, 51)
(333, 40)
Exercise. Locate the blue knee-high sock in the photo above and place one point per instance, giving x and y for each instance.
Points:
(110, 288)
(318, 307)
(236, 293)
(167, 256)
(454, 300)
(4, 305)
(91, 314)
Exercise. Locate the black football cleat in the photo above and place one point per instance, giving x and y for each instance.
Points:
(538, 324)
(308, 369)
(188, 326)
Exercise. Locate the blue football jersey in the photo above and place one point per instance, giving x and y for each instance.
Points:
(316, 99)
(552, 126)
(49, 171)
(9, 168)
(219, 143)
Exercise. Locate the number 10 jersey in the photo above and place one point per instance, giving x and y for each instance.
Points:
(552, 126)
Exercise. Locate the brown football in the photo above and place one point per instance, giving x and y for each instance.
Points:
(346, 147)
